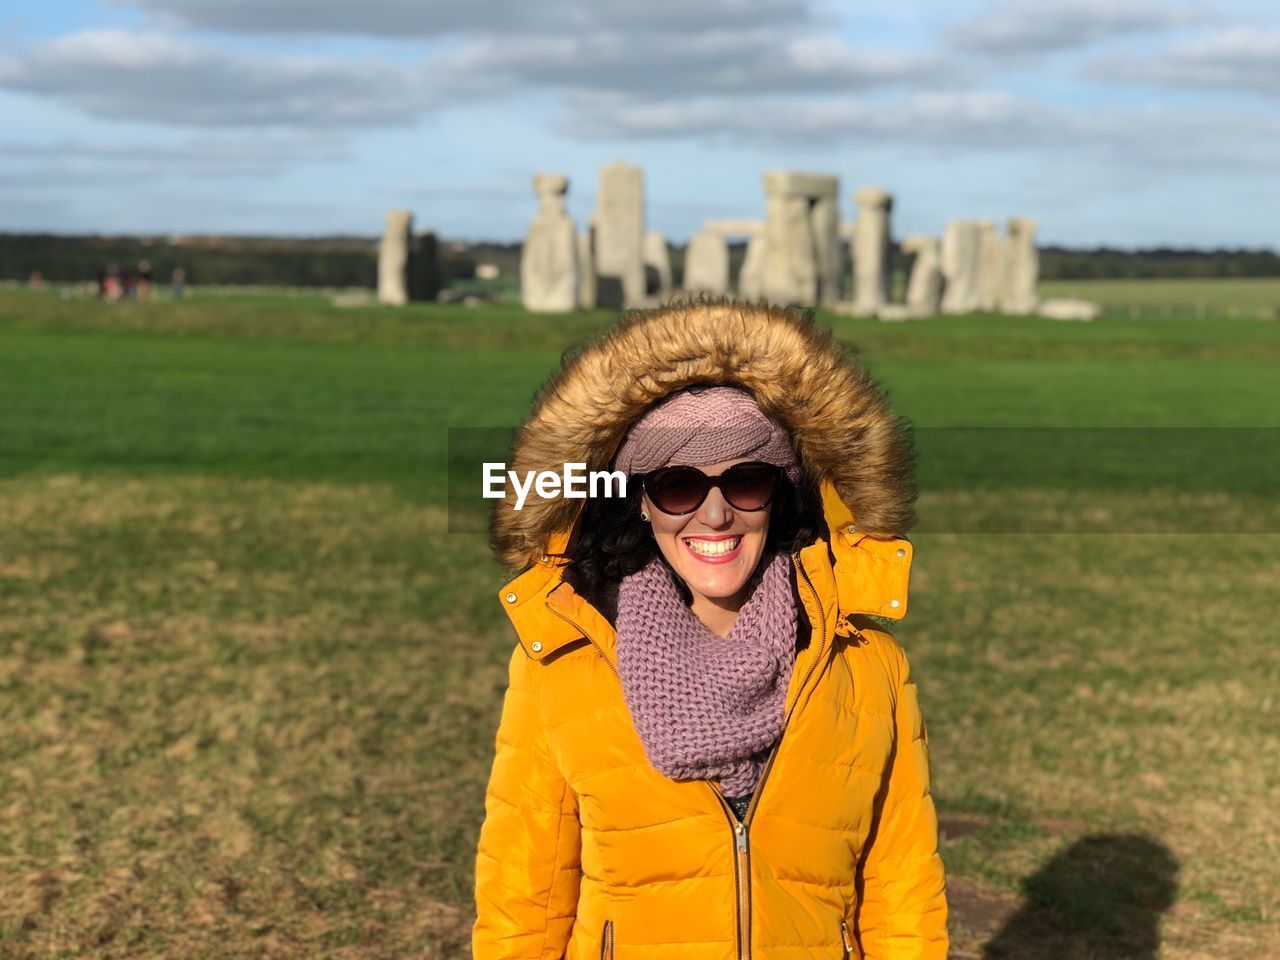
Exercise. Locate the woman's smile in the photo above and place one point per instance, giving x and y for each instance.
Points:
(716, 549)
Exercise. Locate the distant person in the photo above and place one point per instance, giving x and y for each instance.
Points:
(112, 288)
(35, 281)
(142, 283)
(177, 282)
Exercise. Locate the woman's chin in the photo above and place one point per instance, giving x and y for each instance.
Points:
(715, 581)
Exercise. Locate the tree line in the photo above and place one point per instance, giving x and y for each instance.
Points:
(352, 261)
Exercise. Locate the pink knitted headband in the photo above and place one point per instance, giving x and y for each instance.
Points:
(705, 424)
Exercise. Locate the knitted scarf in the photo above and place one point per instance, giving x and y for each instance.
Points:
(704, 705)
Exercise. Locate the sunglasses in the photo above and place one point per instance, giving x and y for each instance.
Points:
(746, 486)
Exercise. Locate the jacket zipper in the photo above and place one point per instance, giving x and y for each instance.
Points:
(844, 936)
(606, 941)
(742, 852)
(606, 660)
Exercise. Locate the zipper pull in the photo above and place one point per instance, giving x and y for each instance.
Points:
(741, 832)
(844, 935)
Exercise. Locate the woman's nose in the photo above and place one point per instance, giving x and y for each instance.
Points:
(715, 510)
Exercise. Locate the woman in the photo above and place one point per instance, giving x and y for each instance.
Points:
(709, 747)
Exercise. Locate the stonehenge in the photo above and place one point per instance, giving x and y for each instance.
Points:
(393, 259)
(800, 258)
(657, 265)
(961, 262)
(586, 271)
(1021, 268)
(924, 286)
(407, 262)
(871, 250)
(795, 255)
(706, 263)
(991, 258)
(549, 258)
(619, 237)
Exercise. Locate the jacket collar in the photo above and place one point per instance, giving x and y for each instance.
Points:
(851, 573)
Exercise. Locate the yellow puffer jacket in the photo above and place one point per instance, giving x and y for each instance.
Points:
(586, 850)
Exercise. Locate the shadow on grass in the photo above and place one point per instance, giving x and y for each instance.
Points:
(1100, 899)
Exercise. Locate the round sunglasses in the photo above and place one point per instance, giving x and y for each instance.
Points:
(746, 486)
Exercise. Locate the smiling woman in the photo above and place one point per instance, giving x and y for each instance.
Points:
(707, 744)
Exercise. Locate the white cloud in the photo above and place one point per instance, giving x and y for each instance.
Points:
(159, 78)
(1240, 59)
(117, 74)
(944, 124)
(144, 162)
(1014, 28)
(431, 18)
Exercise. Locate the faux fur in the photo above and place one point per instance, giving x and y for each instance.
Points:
(799, 373)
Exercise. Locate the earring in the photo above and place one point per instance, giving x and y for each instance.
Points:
(644, 516)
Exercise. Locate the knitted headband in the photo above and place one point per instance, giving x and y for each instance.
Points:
(705, 424)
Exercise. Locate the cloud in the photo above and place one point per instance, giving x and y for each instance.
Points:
(1009, 28)
(151, 77)
(728, 62)
(158, 78)
(432, 18)
(1239, 59)
(71, 162)
(944, 124)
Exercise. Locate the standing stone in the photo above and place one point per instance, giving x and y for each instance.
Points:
(586, 271)
(801, 255)
(619, 237)
(393, 259)
(824, 215)
(751, 273)
(657, 265)
(549, 258)
(961, 259)
(924, 288)
(1020, 294)
(991, 266)
(706, 264)
(424, 266)
(871, 250)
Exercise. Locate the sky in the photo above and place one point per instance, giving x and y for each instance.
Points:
(1120, 122)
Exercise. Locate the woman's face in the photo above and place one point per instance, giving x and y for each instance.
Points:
(715, 548)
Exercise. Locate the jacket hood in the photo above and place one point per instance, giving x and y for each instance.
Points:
(844, 431)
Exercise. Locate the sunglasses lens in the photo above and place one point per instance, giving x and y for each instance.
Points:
(750, 486)
(677, 489)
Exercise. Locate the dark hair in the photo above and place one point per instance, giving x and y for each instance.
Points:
(611, 541)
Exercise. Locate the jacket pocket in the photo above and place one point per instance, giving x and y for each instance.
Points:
(606, 941)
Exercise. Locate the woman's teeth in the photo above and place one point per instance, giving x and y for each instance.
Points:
(714, 548)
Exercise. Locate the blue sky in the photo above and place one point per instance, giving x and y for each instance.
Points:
(1127, 122)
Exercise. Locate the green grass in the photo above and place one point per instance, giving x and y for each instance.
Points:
(1246, 298)
(250, 680)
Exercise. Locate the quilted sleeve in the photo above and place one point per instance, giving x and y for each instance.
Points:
(902, 905)
(527, 861)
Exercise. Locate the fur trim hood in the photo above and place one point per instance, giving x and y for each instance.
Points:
(853, 446)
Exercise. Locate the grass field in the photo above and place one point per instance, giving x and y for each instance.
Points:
(1244, 298)
(251, 681)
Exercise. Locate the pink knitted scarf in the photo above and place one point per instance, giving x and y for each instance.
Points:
(704, 705)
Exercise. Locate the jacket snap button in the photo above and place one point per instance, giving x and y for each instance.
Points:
(901, 552)
(894, 604)
(543, 558)
(511, 598)
(537, 646)
(851, 528)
